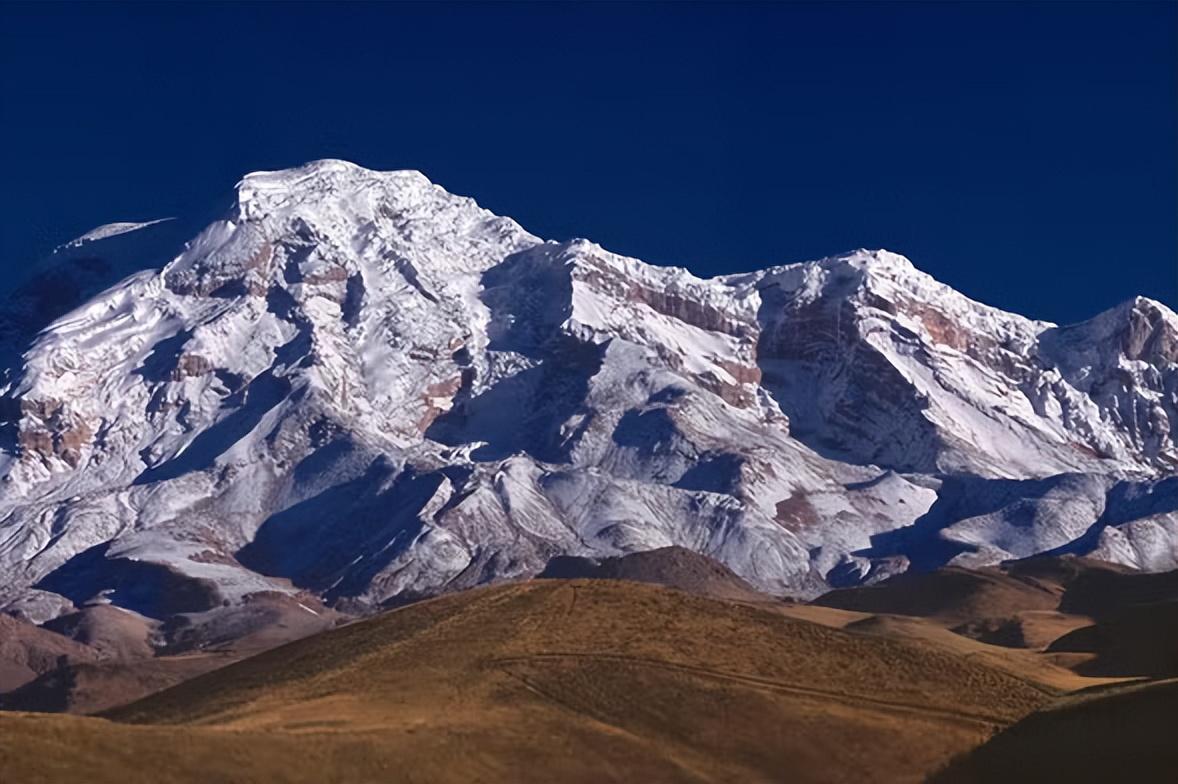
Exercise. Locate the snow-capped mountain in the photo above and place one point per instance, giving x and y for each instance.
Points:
(358, 385)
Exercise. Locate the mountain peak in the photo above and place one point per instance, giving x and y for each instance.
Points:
(1153, 306)
(328, 167)
(324, 181)
(877, 258)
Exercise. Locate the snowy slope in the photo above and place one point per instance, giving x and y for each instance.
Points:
(357, 384)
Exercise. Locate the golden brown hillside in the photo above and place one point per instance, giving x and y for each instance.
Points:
(548, 681)
(1094, 619)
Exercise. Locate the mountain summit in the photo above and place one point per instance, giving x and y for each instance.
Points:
(357, 385)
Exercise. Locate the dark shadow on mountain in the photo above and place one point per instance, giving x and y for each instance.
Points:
(654, 438)
(524, 412)
(876, 418)
(529, 295)
(146, 588)
(713, 473)
(963, 496)
(867, 484)
(322, 461)
(164, 358)
(646, 431)
(247, 407)
(338, 540)
(81, 577)
(1084, 543)
(921, 542)
(295, 352)
(1133, 500)
(958, 497)
(353, 302)
(1126, 501)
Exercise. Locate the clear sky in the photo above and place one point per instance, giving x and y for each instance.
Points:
(1025, 154)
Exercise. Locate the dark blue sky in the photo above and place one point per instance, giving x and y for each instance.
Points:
(1025, 154)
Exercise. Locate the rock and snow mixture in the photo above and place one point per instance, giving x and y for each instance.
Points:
(358, 385)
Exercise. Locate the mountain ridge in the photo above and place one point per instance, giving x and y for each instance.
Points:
(358, 385)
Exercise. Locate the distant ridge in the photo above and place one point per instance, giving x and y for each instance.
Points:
(673, 567)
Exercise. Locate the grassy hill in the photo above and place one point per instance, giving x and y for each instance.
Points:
(551, 680)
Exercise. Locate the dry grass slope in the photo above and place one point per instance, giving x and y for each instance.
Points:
(1094, 619)
(121, 665)
(549, 681)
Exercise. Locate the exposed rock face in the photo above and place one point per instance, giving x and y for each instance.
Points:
(47, 429)
(875, 362)
(359, 385)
